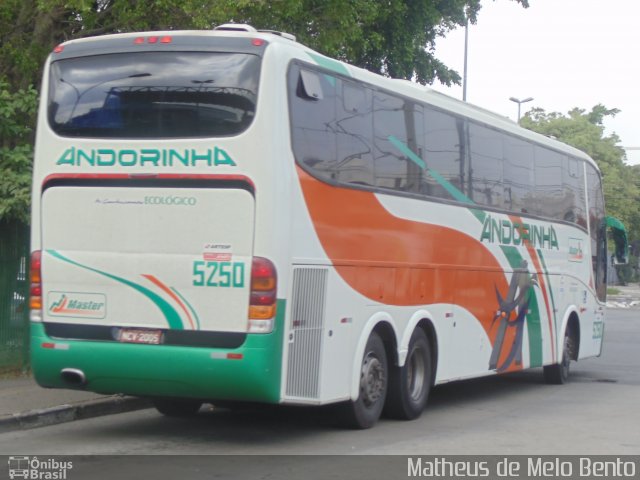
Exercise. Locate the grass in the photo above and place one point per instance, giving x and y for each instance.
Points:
(612, 291)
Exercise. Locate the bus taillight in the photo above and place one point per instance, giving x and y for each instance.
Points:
(35, 290)
(262, 303)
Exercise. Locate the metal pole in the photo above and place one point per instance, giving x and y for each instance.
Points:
(466, 46)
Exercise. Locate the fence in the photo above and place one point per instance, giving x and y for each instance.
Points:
(14, 292)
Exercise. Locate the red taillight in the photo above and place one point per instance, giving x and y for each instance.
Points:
(58, 49)
(257, 42)
(263, 296)
(154, 39)
(35, 290)
(36, 267)
(263, 275)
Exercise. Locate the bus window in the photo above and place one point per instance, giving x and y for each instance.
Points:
(518, 175)
(153, 95)
(486, 165)
(313, 124)
(354, 134)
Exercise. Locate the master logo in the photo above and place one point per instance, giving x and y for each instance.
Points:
(73, 304)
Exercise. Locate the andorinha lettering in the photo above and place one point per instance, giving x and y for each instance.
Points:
(107, 157)
(507, 232)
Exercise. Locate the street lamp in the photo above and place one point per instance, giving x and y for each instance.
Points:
(520, 102)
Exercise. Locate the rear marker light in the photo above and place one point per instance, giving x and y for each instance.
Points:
(139, 40)
(166, 39)
(55, 346)
(58, 49)
(226, 356)
(152, 40)
(257, 42)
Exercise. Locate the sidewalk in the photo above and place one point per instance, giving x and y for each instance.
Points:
(24, 404)
(629, 296)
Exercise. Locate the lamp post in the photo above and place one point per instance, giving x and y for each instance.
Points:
(520, 102)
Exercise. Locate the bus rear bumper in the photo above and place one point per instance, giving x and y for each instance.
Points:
(251, 373)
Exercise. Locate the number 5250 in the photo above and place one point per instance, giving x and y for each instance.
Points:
(218, 274)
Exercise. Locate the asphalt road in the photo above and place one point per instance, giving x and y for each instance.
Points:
(598, 412)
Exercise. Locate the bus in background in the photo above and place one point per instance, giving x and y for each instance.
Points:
(229, 216)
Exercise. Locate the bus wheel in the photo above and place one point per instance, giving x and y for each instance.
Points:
(366, 410)
(172, 407)
(409, 385)
(558, 374)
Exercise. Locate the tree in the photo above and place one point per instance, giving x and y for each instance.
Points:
(17, 114)
(585, 131)
(394, 37)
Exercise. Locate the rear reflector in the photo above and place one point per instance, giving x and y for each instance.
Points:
(55, 346)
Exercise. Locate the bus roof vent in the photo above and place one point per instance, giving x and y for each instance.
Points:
(235, 27)
(288, 36)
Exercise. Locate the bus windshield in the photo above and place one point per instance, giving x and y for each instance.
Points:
(153, 95)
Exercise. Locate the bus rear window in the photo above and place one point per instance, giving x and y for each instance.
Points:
(153, 95)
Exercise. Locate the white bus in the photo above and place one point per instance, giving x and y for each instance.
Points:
(229, 216)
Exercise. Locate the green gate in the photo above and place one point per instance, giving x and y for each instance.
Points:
(14, 296)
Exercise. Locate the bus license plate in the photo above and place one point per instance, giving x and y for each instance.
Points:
(132, 335)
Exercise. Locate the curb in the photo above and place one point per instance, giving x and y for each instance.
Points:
(69, 413)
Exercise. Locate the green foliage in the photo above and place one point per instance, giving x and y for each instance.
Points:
(585, 131)
(17, 114)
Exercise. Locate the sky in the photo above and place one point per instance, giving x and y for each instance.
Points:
(563, 53)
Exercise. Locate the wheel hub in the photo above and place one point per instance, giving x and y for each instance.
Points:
(371, 380)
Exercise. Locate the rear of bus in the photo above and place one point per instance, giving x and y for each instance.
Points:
(153, 266)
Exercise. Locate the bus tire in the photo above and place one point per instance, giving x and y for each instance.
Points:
(558, 374)
(172, 407)
(409, 385)
(365, 411)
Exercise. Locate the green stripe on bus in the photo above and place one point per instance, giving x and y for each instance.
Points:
(193, 312)
(443, 182)
(330, 64)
